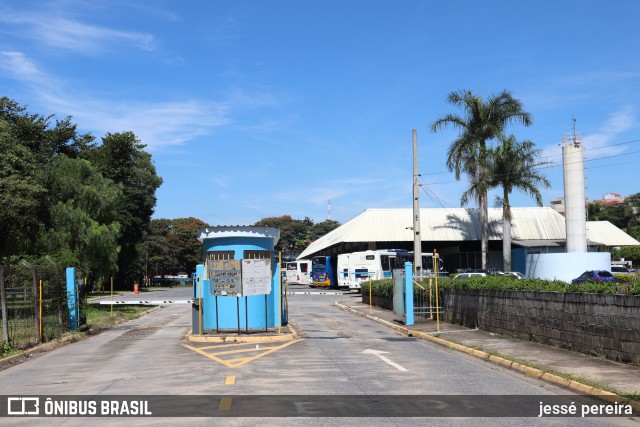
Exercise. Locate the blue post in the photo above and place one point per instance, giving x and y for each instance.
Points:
(277, 302)
(72, 299)
(408, 286)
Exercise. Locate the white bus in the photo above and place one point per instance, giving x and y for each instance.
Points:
(427, 265)
(298, 272)
(358, 267)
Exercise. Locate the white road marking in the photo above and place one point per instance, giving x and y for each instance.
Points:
(385, 359)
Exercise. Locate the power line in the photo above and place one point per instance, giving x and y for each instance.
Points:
(555, 165)
(586, 149)
(432, 195)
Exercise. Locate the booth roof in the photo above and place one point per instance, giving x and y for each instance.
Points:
(239, 231)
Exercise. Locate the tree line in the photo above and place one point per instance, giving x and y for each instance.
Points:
(171, 247)
(69, 200)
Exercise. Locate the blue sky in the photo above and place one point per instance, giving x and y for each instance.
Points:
(265, 108)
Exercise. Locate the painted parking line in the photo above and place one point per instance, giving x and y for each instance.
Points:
(225, 404)
(258, 350)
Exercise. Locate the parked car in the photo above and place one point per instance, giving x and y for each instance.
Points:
(489, 272)
(595, 276)
(515, 274)
(619, 269)
(468, 275)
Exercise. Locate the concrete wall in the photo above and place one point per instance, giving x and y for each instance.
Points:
(592, 324)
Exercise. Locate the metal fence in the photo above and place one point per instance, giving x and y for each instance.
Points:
(424, 300)
(36, 303)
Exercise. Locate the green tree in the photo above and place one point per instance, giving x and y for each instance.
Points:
(184, 244)
(122, 159)
(158, 257)
(513, 165)
(632, 212)
(292, 232)
(481, 122)
(616, 215)
(320, 229)
(629, 253)
(171, 246)
(19, 194)
(82, 229)
(43, 141)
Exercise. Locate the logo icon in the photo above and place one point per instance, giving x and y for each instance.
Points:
(23, 406)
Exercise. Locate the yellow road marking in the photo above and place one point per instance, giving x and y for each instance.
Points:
(228, 345)
(225, 404)
(230, 380)
(246, 350)
(234, 363)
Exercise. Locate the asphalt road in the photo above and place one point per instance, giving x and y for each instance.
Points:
(338, 354)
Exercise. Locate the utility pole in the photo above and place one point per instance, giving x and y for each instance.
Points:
(417, 242)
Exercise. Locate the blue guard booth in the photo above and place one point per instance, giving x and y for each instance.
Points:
(237, 288)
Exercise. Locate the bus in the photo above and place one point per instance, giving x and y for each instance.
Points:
(356, 267)
(427, 264)
(323, 271)
(298, 272)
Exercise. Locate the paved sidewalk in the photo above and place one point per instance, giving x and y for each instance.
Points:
(533, 359)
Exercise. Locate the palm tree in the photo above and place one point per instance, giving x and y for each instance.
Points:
(482, 121)
(514, 165)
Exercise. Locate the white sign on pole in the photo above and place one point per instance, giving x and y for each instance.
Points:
(256, 277)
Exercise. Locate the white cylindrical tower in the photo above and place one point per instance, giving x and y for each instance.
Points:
(574, 199)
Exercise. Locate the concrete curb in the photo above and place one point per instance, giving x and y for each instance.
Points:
(527, 370)
(287, 336)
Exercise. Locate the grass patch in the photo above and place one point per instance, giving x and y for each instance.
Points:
(101, 316)
(6, 350)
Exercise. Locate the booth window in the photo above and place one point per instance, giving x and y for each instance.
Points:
(257, 255)
(219, 256)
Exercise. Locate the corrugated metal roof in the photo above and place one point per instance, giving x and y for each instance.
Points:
(606, 234)
(460, 224)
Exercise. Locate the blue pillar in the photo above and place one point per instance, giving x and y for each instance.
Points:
(408, 294)
(72, 299)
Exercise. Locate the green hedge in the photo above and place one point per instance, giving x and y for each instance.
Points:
(384, 288)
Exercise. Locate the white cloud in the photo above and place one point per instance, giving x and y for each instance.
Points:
(156, 124)
(18, 66)
(73, 35)
(599, 144)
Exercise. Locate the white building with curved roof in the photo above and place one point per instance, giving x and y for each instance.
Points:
(455, 234)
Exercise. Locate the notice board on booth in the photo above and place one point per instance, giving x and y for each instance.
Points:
(256, 277)
(225, 277)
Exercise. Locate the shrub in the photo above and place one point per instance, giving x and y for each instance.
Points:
(384, 288)
(379, 288)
